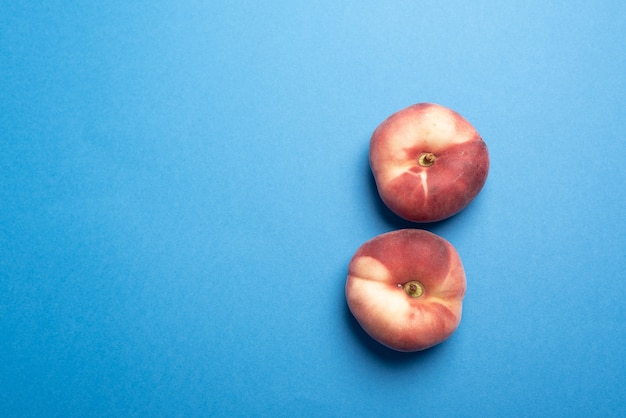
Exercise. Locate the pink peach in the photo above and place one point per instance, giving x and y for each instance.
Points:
(406, 289)
(428, 162)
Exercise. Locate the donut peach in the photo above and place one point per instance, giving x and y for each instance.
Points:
(406, 289)
(428, 162)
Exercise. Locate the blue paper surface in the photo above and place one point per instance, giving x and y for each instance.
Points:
(183, 184)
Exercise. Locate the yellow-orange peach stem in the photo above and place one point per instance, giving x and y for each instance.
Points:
(414, 288)
(426, 159)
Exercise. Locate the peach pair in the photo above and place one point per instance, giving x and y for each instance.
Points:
(406, 287)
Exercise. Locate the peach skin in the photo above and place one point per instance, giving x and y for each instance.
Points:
(406, 289)
(428, 162)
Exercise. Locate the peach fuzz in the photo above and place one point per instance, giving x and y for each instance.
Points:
(428, 162)
(405, 288)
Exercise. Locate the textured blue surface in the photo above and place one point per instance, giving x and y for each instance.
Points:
(182, 186)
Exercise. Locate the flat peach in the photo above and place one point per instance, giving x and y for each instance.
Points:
(428, 162)
(406, 289)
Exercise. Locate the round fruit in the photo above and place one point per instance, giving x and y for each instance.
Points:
(406, 289)
(428, 162)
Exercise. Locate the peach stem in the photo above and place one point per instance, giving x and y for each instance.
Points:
(426, 159)
(414, 288)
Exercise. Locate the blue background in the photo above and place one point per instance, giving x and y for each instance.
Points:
(182, 186)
